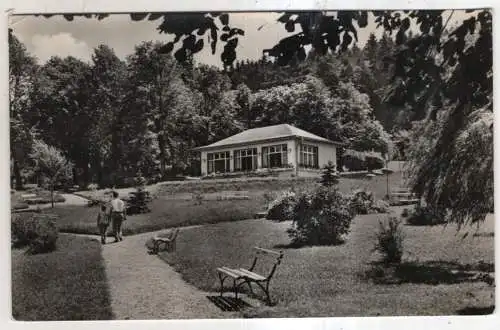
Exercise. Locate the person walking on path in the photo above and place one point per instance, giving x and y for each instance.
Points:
(118, 215)
(103, 219)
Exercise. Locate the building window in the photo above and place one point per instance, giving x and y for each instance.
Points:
(245, 159)
(275, 156)
(309, 156)
(218, 162)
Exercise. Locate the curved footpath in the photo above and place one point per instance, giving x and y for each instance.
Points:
(142, 286)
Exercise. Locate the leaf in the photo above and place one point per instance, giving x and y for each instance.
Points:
(232, 43)
(301, 54)
(188, 42)
(138, 16)
(167, 48)
(224, 19)
(346, 41)
(363, 19)
(198, 46)
(180, 55)
(405, 24)
(400, 37)
(284, 18)
(224, 37)
(213, 35)
(154, 16)
(290, 26)
(226, 28)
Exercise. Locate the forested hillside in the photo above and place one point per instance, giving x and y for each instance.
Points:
(112, 118)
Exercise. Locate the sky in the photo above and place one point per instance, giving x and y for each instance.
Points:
(55, 36)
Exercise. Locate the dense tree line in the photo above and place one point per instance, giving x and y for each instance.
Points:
(112, 118)
(429, 85)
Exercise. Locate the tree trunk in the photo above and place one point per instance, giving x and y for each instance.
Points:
(163, 161)
(86, 173)
(17, 175)
(52, 193)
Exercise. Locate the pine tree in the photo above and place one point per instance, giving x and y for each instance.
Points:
(140, 198)
(329, 176)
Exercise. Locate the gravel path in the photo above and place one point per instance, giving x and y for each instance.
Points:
(145, 287)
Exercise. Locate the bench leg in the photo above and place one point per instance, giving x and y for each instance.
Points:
(249, 286)
(235, 287)
(221, 279)
(266, 291)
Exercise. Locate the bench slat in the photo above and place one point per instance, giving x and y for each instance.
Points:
(162, 239)
(252, 275)
(267, 251)
(230, 272)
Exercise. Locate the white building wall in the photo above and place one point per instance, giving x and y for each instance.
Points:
(326, 153)
(204, 164)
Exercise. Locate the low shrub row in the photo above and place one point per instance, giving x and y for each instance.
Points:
(359, 161)
(363, 202)
(360, 202)
(37, 231)
(45, 200)
(425, 216)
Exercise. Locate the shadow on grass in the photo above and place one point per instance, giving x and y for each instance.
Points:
(477, 310)
(484, 235)
(297, 245)
(433, 273)
(228, 304)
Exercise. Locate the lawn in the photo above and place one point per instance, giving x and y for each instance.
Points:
(254, 186)
(67, 284)
(166, 213)
(42, 197)
(337, 280)
(174, 206)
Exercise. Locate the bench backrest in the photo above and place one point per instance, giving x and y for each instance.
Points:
(174, 234)
(277, 256)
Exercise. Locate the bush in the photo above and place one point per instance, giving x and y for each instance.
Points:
(426, 216)
(281, 209)
(37, 231)
(321, 217)
(354, 160)
(361, 201)
(269, 197)
(197, 197)
(20, 206)
(380, 206)
(390, 241)
(93, 186)
(362, 160)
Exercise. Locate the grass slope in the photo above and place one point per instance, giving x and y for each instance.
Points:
(174, 205)
(165, 214)
(68, 284)
(332, 280)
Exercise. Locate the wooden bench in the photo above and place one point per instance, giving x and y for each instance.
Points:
(242, 276)
(168, 243)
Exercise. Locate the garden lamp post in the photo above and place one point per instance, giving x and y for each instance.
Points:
(387, 171)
